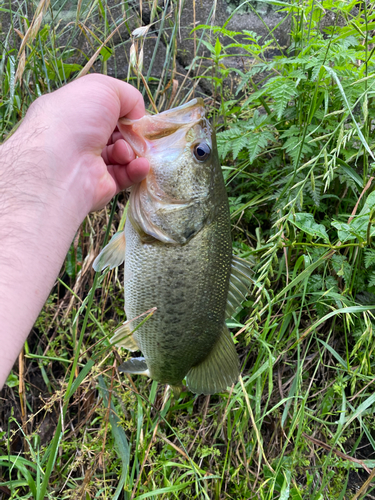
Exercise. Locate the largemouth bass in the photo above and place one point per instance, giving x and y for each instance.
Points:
(178, 255)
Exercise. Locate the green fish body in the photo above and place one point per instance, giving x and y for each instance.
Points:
(178, 255)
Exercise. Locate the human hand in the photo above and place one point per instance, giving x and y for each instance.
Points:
(121, 163)
(85, 154)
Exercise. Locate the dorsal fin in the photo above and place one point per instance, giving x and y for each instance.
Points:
(239, 284)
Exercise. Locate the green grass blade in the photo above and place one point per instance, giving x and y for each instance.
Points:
(119, 436)
(333, 73)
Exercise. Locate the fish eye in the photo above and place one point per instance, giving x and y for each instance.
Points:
(202, 151)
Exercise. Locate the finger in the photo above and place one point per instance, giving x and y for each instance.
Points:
(116, 135)
(119, 153)
(138, 169)
(131, 101)
(125, 176)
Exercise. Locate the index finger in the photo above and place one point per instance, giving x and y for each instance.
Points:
(131, 100)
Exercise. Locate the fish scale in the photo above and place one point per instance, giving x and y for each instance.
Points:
(178, 256)
(190, 306)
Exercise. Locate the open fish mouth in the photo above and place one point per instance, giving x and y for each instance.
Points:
(188, 113)
(168, 132)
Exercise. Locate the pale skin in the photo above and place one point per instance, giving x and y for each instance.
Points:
(65, 160)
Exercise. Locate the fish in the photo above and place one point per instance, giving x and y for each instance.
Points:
(177, 250)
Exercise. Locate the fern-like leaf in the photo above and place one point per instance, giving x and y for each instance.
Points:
(315, 188)
(369, 258)
(292, 147)
(239, 144)
(371, 279)
(282, 90)
(256, 142)
(251, 135)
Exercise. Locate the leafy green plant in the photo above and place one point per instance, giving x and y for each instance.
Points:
(297, 146)
(296, 142)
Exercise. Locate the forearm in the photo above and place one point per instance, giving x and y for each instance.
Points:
(66, 159)
(38, 220)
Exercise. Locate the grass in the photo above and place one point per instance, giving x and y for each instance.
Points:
(296, 141)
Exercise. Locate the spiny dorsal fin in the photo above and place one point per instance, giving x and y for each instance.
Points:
(123, 338)
(239, 284)
(112, 254)
(219, 370)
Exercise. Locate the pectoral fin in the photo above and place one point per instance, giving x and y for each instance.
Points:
(123, 338)
(112, 254)
(219, 370)
(239, 284)
(135, 365)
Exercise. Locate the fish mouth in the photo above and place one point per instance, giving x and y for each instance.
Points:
(190, 112)
(168, 122)
(152, 134)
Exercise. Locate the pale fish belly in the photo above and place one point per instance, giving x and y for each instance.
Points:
(189, 286)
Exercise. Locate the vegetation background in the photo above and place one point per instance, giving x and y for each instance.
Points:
(295, 128)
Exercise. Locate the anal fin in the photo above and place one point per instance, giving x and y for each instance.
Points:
(135, 365)
(219, 370)
(112, 254)
(123, 338)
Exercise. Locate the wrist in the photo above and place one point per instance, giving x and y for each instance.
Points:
(44, 174)
(39, 216)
